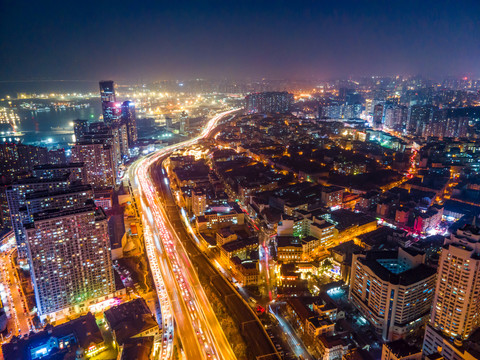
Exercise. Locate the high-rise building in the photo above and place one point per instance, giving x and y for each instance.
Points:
(393, 290)
(378, 116)
(130, 120)
(68, 198)
(99, 162)
(112, 113)
(17, 159)
(75, 171)
(396, 117)
(16, 198)
(107, 91)
(168, 122)
(57, 156)
(5, 221)
(111, 110)
(437, 125)
(80, 127)
(268, 102)
(70, 258)
(121, 134)
(114, 140)
(419, 117)
(456, 304)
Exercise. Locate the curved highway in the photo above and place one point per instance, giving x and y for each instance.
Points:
(179, 291)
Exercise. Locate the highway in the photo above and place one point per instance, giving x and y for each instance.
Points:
(11, 292)
(260, 346)
(179, 290)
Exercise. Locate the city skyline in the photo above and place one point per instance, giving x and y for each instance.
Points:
(242, 180)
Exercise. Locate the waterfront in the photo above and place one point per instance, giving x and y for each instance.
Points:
(52, 128)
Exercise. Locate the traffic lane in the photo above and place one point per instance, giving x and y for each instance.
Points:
(258, 341)
(205, 312)
(187, 334)
(18, 300)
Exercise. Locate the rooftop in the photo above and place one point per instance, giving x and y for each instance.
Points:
(401, 348)
(84, 329)
(58, 166)
(129, 319)
(385, 264)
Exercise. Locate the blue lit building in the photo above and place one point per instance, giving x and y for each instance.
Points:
(81, 336)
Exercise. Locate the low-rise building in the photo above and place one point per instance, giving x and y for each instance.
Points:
(225, 235)
(289, 249)
(137, 348)
(332, 196)
(332, 347)
(131, 320)
(220, 216)
(238, 248)
(246, 272)
(316, 326)
(351, 224)
(342, 254)
(400, 350)
(81, 334)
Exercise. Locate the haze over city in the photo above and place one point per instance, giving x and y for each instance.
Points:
(249, 180)
(142, 41)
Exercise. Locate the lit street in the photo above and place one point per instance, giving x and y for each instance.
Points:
(198, 328)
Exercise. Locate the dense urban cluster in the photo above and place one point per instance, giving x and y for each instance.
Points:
(336, 220)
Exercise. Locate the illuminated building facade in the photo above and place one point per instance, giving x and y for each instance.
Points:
(80, 127)
(16, 198)
(99, 162)
(199, 201)
(456, 304)
(69, 253)
(378, 116)
(268, 102)
(393, 290)
(130, 120)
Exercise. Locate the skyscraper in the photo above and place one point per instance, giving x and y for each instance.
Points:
(393, 290)
(16, 198)
(80, 127)
(112, 113)
(69, 253)
(378, 116)
(107, 91)
(456, 304)
(99, 162)
(268, 102)
(110, 108)
(129, 119)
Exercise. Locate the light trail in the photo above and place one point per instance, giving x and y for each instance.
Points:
(175, 279)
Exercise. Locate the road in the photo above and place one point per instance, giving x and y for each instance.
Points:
(293, 340)
(11, 293)
(259, 344)
(176, 281)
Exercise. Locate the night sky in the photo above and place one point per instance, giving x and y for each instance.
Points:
(150, 40)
